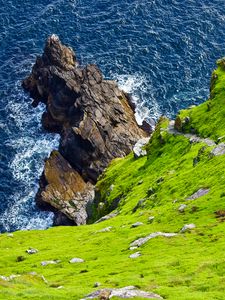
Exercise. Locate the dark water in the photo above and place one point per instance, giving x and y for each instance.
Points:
(163, 51)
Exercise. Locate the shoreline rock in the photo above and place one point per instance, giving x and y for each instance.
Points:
(95, 120)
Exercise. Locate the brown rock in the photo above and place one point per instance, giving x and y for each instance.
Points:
(93, 116)
(65, 189)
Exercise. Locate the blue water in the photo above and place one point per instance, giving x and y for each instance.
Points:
(163, 51)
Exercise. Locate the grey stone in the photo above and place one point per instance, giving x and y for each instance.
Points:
(76, 260)
(182, 208)
(218, 150)
(107, 229)
(138, 147)
(107, 217)
(187, 227)
(142, 241)
(135, 255)
(125, 292)
(151, 219)
(199, 193)
(137, 224)
(50, 262)
(32, 251)
(133, 248)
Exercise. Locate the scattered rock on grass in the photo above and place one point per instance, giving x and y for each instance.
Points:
(50, 262)
(135, 255)
(32, 251)
(107, 229)
(199, 193)
(137, 224)
(182, 208)
(187, 227)
(141, 241)
(107, 217)
(218, 150)
(76, 260)
(151, 219)
(126, 292)
(97, 284)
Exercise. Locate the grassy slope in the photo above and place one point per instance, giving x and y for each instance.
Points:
(188, 266)
(208, 119)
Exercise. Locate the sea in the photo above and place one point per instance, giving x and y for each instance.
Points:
(161, 51)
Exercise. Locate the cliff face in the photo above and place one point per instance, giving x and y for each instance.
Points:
(93, 116)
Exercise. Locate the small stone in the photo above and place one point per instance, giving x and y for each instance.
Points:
(135, 255)
(107, 217)
(50, 262)
(151, 219)
(76, 260)
(182, 208)
(10, 235)
(133, 248)
(107, 229)
(31, 251)
(137, 224)
(60, 287)
(97, 284)
(140, 182)
(187, 227)
(20, 258)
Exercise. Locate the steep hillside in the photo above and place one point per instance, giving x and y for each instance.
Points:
(179, 182)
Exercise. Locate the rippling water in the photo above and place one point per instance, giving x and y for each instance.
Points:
(163, 51)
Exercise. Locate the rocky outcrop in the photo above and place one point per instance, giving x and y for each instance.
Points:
(94, 118)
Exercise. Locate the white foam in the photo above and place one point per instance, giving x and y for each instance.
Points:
(137, 86)
(30, 146)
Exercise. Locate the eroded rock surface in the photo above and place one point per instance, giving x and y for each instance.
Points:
(93, 116)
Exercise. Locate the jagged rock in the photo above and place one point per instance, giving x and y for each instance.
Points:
(32, 251)
(137, 224)
(142, 241)
(187, 227)
(199, 193)
(64, 189)
(76, 260)
(125, 292)
(93, 116)
(135, 255)
(50, 262)
(139, 147)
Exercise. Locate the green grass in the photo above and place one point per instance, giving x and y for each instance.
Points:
(189, 266)
(208, 119)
